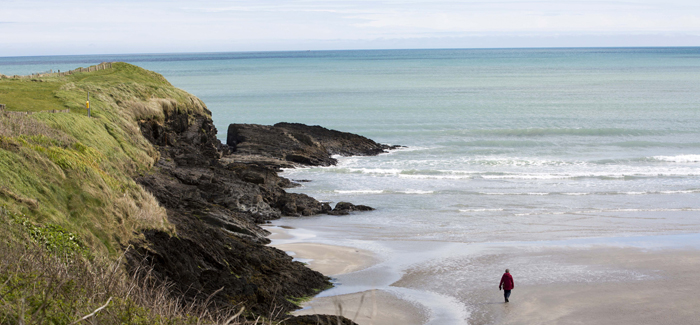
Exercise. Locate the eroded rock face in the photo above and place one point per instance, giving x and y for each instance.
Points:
(215, 209)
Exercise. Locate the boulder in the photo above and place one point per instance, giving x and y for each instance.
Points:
(344, 208)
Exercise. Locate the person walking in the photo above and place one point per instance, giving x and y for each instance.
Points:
(506, 284)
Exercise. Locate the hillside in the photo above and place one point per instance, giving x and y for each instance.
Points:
(77, 172)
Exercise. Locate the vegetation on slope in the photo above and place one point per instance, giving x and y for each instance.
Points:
(75, 171)
(47, 276)
(69, 204)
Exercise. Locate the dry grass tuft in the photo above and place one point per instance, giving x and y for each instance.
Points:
(31, 203)
(22, 125)
(167, 104)
(144, 110)
(143, 208)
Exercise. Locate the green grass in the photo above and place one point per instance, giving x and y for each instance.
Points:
(77, 172)
(27, 95)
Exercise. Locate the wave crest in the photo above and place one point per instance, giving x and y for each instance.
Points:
(679, 158)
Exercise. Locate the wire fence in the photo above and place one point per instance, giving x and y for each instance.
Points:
(30, 113)
(51, 73)
(3, 110)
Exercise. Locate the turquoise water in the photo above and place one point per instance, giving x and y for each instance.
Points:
(503, 146)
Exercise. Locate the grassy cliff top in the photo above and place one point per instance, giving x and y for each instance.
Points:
(122, 82)
(76, 172)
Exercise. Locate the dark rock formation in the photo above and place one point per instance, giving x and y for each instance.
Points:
(293, 204)
(215, 200)
(299, 143)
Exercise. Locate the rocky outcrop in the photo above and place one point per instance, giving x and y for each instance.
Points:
(286, 145)
(298, 143)
(216, 195)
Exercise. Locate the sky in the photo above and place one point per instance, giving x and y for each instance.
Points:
(56, 27)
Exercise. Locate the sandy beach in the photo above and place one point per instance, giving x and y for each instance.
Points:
(665, 292)
(367, 307)
(555, 284)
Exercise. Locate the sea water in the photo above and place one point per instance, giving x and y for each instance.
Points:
(504, 148)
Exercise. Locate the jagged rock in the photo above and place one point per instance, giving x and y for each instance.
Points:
(344, 208)
(336, 142)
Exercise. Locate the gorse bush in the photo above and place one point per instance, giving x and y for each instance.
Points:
(55, 239)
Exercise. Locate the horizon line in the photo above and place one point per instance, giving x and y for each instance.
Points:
(369, 49)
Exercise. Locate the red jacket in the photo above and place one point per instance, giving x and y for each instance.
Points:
(507, 282)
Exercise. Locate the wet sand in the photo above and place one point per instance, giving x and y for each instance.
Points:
(555, 284)
(277, 233)
(666, 295)
(615, 286)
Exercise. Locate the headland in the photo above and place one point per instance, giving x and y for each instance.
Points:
(145, 186)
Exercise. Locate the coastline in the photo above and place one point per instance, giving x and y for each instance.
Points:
(238, 189)
(449, 234)
(181, 207)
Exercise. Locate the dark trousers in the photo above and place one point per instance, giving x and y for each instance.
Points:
(506, 294)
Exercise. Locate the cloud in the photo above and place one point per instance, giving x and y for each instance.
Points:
(179, 25)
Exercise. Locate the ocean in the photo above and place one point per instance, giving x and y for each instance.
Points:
(504, 148)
